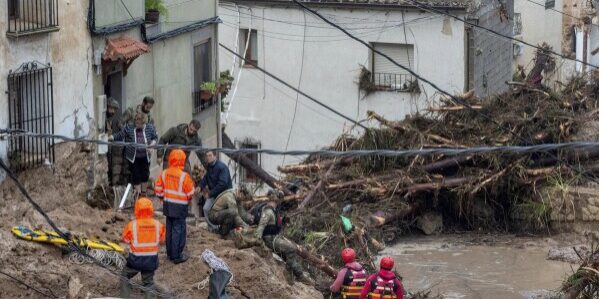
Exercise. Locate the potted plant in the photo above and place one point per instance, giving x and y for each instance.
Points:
(224, 83)
(153, 10)
(207, 90)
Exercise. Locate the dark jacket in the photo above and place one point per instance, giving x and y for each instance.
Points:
(127, 134)
(217, 178)
(178, 135)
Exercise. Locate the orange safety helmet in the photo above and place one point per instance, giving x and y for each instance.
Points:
(348, 255)
(387, 263)
(144, 208)
(177, 159)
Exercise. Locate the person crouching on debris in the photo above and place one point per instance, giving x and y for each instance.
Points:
(350, 278)
(175, 189)
(221, 207)
(383, 284)
(144, 235)
(144, 133)
(269, 218)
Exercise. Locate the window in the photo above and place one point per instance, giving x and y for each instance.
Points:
(252, 51)
(13, 9)
(389, 76)
(202, 72)
(29, 17)
(245, 175)
(549, 4)
(517, 24)
(30, 108)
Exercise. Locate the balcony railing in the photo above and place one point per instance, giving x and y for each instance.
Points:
(395, 82)
(200, 102)
(31, 16)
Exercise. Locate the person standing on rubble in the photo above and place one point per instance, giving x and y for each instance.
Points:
(175, 189)
(221, 205)
(145, 107)
(115, 153)
(144, 235)
(269, 218)
(183, 134)
(383, 284)
(351, 278)
(144, 133)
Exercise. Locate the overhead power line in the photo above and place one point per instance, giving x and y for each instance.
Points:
(438, 11)
(293, 88)
(558, 11)
(508, 149)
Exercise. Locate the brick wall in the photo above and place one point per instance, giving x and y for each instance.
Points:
(491, 54)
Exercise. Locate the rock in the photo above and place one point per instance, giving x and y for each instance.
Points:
(430, 223)
(74, 287)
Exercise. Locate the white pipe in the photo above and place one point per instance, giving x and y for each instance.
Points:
(125, 196)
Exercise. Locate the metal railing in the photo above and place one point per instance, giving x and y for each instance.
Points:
(30, 108)
(30, 16)
(394, 82)
(200, 104)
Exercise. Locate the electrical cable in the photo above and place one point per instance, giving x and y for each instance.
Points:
(559, 11)
(507, 149)
(27, 285)
(299, 85)
(452, 97)
(437, 11)
(71, 245)
(295, 89)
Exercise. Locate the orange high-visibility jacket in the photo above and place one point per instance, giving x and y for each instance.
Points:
(144, 234)
(174, 186)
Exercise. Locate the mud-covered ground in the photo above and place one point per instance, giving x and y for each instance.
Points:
(61, 192)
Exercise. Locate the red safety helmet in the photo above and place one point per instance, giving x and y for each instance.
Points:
(387, 263)
(348, 255)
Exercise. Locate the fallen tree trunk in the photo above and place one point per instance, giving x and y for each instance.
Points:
(453, 108)
(252, 167)
(316, 189)
(360, 182)
(317, 261)
(444, 164)
(288, 198)
(381, 218)
(443, 184)
(313, 167)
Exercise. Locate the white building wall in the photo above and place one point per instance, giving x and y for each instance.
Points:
(69, 52)
(543, 25)
(328, 63)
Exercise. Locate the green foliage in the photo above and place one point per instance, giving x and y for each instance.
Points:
(157, 5)
(209, 86)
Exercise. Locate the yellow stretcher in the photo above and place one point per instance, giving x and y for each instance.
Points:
(44, 236)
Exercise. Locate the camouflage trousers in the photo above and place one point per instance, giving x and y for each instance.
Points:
(117, 168)
(286, 250)
(228, 213)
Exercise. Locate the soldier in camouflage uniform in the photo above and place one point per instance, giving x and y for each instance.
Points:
(115, 153)
(183, 134)
(270, 226)
(145, 107)
(228, 213)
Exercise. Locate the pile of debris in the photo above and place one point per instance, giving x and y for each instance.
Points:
(484, 191)
(584, 282)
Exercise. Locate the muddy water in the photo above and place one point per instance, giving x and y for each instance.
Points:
(460, 270)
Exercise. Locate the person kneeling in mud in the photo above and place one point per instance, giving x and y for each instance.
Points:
(269, 218)
(228, 214)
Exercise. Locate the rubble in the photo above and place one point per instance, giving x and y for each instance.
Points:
(389, 195)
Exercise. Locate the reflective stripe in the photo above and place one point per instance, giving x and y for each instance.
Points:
(153, 253)
(176, 201)
(138, 244)
(174, 192)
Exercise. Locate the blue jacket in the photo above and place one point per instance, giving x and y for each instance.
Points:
(127, 134)
(217, 178)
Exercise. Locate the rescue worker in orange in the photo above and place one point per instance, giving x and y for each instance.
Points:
(350, 278)
(144, 235)
(175, 189)
(384, 284)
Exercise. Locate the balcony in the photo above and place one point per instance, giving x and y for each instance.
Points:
(395, 82)
(31, 17)
(201, 101)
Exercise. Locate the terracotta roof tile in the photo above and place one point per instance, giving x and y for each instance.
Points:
(124, 48)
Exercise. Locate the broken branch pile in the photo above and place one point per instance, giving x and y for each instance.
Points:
(468, 191)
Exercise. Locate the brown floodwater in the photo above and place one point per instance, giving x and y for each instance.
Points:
(457, 269)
